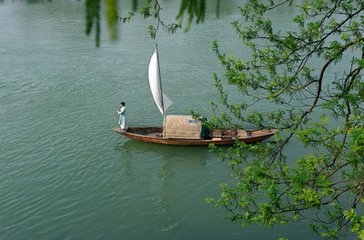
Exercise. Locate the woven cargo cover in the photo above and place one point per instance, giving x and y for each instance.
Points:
(182, 126)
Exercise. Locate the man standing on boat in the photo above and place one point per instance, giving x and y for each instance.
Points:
(121, 113)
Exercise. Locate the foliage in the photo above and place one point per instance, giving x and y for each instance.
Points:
(149, 8)
(93, 18)
(310, 80)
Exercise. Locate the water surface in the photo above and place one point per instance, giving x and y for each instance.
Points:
(63, 173)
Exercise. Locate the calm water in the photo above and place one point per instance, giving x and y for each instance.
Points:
(63, 173)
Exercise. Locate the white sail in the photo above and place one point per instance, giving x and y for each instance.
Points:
(161, 100)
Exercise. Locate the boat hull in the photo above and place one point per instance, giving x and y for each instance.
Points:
(154, 135)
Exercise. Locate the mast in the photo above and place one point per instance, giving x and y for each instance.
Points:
(160, 80)
(155, 84)
(160, 85)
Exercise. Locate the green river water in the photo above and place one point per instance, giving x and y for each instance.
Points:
(63, 173)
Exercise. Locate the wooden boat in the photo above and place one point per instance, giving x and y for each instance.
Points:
(182, 129)
(155, 135)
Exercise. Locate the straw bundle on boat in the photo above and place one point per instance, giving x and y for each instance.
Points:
(181, 126)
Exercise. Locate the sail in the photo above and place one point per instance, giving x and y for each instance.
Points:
(161, 100)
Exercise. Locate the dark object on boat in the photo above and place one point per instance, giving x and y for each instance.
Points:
(216, 136)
